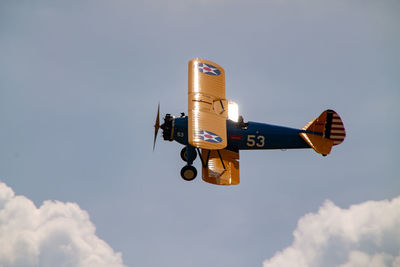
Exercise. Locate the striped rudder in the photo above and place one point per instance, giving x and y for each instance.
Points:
(334, 128)
(324, 132)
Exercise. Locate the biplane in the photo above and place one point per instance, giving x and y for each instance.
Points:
(214, 131)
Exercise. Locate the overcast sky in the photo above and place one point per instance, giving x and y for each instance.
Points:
(79, 87)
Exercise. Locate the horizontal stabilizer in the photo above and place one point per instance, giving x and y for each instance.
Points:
(320, 144)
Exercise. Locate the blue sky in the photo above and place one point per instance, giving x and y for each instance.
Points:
(79, 87)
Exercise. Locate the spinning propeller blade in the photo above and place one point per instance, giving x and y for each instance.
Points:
(156, 126)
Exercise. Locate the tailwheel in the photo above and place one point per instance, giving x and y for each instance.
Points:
(188, 173)
(184, 154)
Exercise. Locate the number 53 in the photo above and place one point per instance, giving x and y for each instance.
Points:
(253, 140)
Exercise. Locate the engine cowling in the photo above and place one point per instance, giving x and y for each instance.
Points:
(168, 127)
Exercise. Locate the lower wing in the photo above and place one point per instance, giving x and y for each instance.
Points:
(220, 167)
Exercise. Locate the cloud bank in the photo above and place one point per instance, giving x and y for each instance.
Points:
(55, 234)
(364, 235)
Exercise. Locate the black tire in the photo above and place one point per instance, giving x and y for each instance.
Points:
(184, 155)
(188, 173)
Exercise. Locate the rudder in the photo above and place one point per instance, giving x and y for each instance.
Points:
(323, 132)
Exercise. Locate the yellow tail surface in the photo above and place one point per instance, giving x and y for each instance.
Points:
(324, 132)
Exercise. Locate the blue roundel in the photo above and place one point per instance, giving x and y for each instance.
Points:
(208, 69)
(208, 136)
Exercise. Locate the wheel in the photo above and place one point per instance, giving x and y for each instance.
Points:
(184, 154)
(188, 173)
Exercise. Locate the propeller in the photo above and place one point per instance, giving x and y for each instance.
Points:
(156, 125)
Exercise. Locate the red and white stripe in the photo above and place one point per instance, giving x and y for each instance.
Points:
(338, 132)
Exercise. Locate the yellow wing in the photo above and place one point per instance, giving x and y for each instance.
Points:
(221, 174)
(208, 108)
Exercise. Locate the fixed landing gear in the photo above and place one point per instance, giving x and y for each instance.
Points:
(188, 173)
(184, 154)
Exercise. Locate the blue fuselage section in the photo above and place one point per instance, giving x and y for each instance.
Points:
(250, 135)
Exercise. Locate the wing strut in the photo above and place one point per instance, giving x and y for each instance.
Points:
(219, 154)
(205, 164)
(222, 105)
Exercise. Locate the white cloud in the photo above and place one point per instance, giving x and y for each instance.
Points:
(55, 234)
(364, 235)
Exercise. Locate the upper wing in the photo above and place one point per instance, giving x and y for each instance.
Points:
(225, 172)
(208, 108)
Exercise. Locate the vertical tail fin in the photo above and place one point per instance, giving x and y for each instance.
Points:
(324, 132)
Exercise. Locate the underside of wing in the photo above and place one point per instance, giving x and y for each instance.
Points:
(207, 106)
(222, 167)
